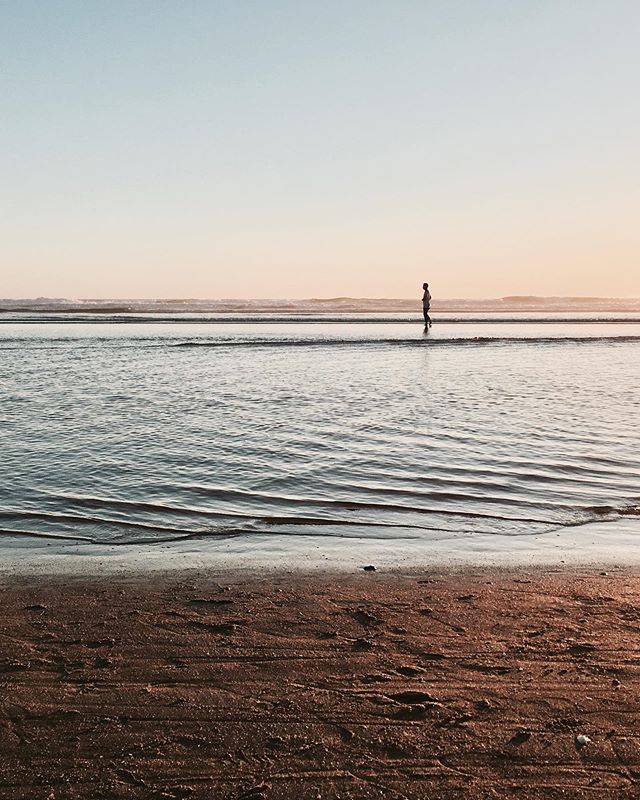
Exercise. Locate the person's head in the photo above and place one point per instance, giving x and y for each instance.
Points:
(425, 285)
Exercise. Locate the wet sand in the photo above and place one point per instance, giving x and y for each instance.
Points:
(374, 686)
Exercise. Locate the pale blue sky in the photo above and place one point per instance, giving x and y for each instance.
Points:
(271, 149)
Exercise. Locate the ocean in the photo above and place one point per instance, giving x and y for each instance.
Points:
(287, 434)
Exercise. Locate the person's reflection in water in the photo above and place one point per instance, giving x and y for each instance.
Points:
(426, 305)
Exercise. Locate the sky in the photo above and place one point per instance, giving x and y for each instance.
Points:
(272, 148)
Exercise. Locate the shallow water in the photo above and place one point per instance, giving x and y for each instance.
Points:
(160, 432)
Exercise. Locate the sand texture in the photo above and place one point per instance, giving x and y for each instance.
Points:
(433, 686)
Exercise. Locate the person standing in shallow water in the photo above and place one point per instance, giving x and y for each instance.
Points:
(426, 305)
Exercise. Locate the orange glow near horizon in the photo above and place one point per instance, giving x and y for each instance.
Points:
(310, 151)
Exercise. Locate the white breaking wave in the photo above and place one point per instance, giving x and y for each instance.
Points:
(332, 305)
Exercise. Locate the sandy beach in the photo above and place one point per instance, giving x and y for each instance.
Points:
(439, 685)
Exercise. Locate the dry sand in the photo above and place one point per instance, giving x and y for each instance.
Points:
(439, 686)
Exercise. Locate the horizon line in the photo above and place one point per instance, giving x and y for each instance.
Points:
(331, 298)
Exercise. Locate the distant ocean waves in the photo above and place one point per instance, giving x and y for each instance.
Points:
(334, 305)
(369, 337)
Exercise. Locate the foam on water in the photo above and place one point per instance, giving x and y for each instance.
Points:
(314, 306)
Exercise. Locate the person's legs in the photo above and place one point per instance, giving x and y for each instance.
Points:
(427, 321)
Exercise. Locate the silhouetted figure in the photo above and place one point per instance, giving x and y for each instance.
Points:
(426, 305)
